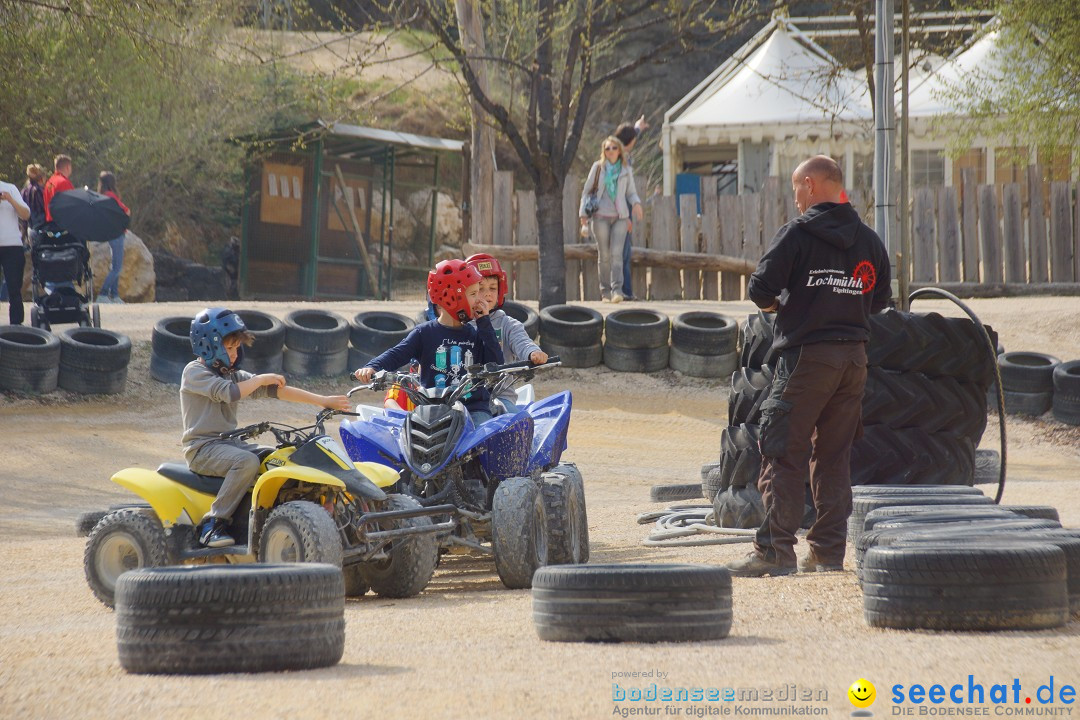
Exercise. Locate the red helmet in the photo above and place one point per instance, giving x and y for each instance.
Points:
(488, 266)
(446, 287)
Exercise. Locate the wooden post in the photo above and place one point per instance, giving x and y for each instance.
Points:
(358, 237)
(688, 242)
(639, 237)
(666, 284)
(1076, 237)
(730, 213)
(502, 217)
(710, 239)
(1061, 232)
(1013, 237)
(948, 236)
(482, 139)
(969, 226)
(527, 281)
(1037, 254)
(751, 221)
(571, 199)
(770, 211)
(924, 240)
(991, 234)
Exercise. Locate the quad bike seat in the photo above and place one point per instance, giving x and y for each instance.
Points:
(182, 474)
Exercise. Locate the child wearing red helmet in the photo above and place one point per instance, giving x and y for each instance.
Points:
(449, 344)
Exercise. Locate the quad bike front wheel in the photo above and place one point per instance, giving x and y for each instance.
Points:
(123, 540)
(412, 559)
(567, 522)
(300, 531)
(518, 531)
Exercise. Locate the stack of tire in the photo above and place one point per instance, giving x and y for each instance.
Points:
(373, 333)
(924, 410)
(1067, 392)
(170, 348)
(574, 333)
(703, 344)
(636, 340)
(93, 361)
(29, 359)
(524, 315)
(1027, 382)
(266, 354)
(316, 344)
(946, 558)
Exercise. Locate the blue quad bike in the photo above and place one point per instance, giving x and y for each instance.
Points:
(513, 497)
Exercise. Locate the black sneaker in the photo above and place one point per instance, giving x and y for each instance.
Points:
(212, 533)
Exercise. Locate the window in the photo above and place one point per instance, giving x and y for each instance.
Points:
(927, 168)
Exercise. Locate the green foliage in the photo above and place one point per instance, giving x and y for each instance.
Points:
(1030, 94)
(147, 91)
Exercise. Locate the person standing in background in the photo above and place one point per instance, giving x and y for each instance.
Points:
(628, 135)
(607, 201)
(33, 194)
(12, 251)
(59, 181)
(110, 289)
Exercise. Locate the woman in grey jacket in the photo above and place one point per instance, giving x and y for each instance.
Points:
(607, 201)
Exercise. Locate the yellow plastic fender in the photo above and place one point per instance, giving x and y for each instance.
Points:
(269, 484)
(174, 503)
(382, 475)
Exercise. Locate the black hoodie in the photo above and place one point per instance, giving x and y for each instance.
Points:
(830, 271)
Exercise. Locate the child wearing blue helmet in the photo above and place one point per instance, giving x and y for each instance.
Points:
(210, 388)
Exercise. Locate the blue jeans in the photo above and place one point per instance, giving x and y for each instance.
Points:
(111, 286)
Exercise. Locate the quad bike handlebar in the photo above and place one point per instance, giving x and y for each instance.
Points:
(490, 375)
(286, 434)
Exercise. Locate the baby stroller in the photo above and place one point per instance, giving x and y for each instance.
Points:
(63, 283)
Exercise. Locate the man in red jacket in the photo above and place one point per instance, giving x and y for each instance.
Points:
(59, 182)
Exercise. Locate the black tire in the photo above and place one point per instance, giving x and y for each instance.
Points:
(308, 364)
(86, 521)
(1027, 372)
(29, 359)
(1067, 392)
(911, 456)
(1030, 404)
(703, 366)
(987, 467)
(122, 541)
(636, 360)
(632, 603)
(711, 482)
(1014, 586)
(861, 491)
(675, 493)
(574, 356)
(573, 475)
(757, 339)
(316, 332)
(637, 328)
(571, 325)
(94, 349)
(564, 509)
(355, 583)
(269, 335)
(167, 371)
(259, 365)
(740, 458)
(861, 506)
(412, 559)
(92, 382)
(518, 531)
(1035, 512)
(378, 330)
(931, 344)
(912, 399)
(932, 514)
(524, 315)
(300, 532)
(700, 332)
(230, 618)
(749, 388)
(744, 508)
(171, 339)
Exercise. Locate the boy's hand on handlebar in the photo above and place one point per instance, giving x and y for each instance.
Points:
(271, 379)
(364, 374)
(337, 402)
(538, 357)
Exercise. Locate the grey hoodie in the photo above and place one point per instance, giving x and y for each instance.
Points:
(516, 343)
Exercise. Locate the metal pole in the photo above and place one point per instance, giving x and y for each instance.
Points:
(434, 200)
(905, 170)
(884, 123)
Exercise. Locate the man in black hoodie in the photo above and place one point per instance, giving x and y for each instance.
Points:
(823, 275)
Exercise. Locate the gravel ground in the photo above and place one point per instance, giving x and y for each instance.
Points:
(466, 646)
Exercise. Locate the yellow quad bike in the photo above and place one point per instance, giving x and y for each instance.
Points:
(310, 503)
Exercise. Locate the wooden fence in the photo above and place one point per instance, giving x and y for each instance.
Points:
(979, 240)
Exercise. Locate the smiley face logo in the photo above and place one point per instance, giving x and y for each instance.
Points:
(862, 693)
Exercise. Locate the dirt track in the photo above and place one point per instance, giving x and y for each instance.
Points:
(466, 647)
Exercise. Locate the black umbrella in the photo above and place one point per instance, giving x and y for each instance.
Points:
(89, 215)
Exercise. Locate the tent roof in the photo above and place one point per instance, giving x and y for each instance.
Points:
(785, 78)
(356, 141)
(980, 57)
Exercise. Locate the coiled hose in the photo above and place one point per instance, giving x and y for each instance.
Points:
(682, 526)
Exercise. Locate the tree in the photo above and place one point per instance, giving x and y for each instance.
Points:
(548, 60)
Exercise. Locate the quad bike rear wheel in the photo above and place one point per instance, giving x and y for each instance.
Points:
(518, 531)
(412, 558)
(300, 531)
(123, 540)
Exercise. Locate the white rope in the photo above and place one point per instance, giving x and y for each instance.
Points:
(688, 525)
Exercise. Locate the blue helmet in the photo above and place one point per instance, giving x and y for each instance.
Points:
(208, 331)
